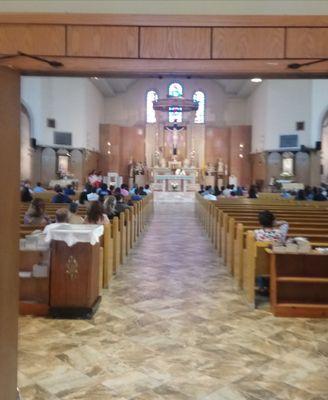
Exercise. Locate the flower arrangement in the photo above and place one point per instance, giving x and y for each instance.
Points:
(174, 186)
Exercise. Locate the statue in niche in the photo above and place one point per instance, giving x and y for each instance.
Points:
(131, 167)
(156, 158)
(186, 163)
(139, 169)
(163, 162)
(175, 130)
(209, 170)
(226, 170)
(220, 167)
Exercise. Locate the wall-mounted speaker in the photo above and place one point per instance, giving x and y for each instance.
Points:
(318, 145)
(51, 123)
(33, 143)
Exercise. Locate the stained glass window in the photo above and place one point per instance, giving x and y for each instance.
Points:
(151, 96)
(200, 113)
(175, 113)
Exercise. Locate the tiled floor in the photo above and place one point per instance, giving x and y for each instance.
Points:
(172, 326)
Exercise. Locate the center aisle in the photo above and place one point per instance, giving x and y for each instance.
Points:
(172, 326)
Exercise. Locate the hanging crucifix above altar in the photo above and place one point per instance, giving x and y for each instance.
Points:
(175, 130)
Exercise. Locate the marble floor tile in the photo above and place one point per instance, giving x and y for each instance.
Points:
(173, 326)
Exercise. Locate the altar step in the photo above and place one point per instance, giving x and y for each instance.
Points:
(174, 197)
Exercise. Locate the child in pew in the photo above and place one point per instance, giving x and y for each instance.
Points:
(35, 215)
(272, 231)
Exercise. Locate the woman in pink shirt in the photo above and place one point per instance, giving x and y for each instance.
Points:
(124, 191)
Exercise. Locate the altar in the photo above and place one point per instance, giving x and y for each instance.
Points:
(175, 183)
(64, 182)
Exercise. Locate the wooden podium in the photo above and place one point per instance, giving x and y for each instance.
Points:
(74, 270)
(74, 283)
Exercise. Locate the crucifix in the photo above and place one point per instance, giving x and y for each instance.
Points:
(175, 130)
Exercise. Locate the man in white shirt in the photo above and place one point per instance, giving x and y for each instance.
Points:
(226, 192)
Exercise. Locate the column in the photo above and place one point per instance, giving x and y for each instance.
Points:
(9, 232)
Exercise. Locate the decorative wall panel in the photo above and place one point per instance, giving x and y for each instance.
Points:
(248, 43)
(102, 41)
(175, 43)
(307, 43)
(32, 39)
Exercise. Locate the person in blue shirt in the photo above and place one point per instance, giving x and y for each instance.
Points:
(136, 196)
(134, 189)
(38, 188)
(69, 191)
(60, 197)
(103, 190)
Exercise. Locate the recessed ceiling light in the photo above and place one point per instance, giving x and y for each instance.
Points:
(256, 80)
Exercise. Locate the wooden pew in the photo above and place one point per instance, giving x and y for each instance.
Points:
(256, 262)
(298, 292)
(227, 224)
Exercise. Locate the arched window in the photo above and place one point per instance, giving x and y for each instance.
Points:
(175, 113)
(200, 113)
(151, 96)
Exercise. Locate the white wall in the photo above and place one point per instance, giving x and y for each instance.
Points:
(236, 111)
(289, 101)
(272, 109)
(129, 108)
(276, 105)
(257, 109)
(95, 111)
(75, 103)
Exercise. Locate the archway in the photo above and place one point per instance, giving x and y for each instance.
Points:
(26, 150)
(324, 150)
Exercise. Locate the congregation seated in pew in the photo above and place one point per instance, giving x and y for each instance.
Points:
(121, 206)
(69, 191)
(62, 216)
(73, 218)
(96, 215)
(39, 188)
(60, 197)
(26, 195)
(272, 231)
(110, 207)
(35, 215)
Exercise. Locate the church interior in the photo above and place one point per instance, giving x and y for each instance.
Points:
(239, 135)
(165, 234)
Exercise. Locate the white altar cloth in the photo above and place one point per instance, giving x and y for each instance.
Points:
(63, 182)
(74, 233)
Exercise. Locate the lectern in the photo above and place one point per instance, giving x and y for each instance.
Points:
(74, 270)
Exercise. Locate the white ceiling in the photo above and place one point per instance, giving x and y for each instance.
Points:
(111, 87)
(237, 87)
